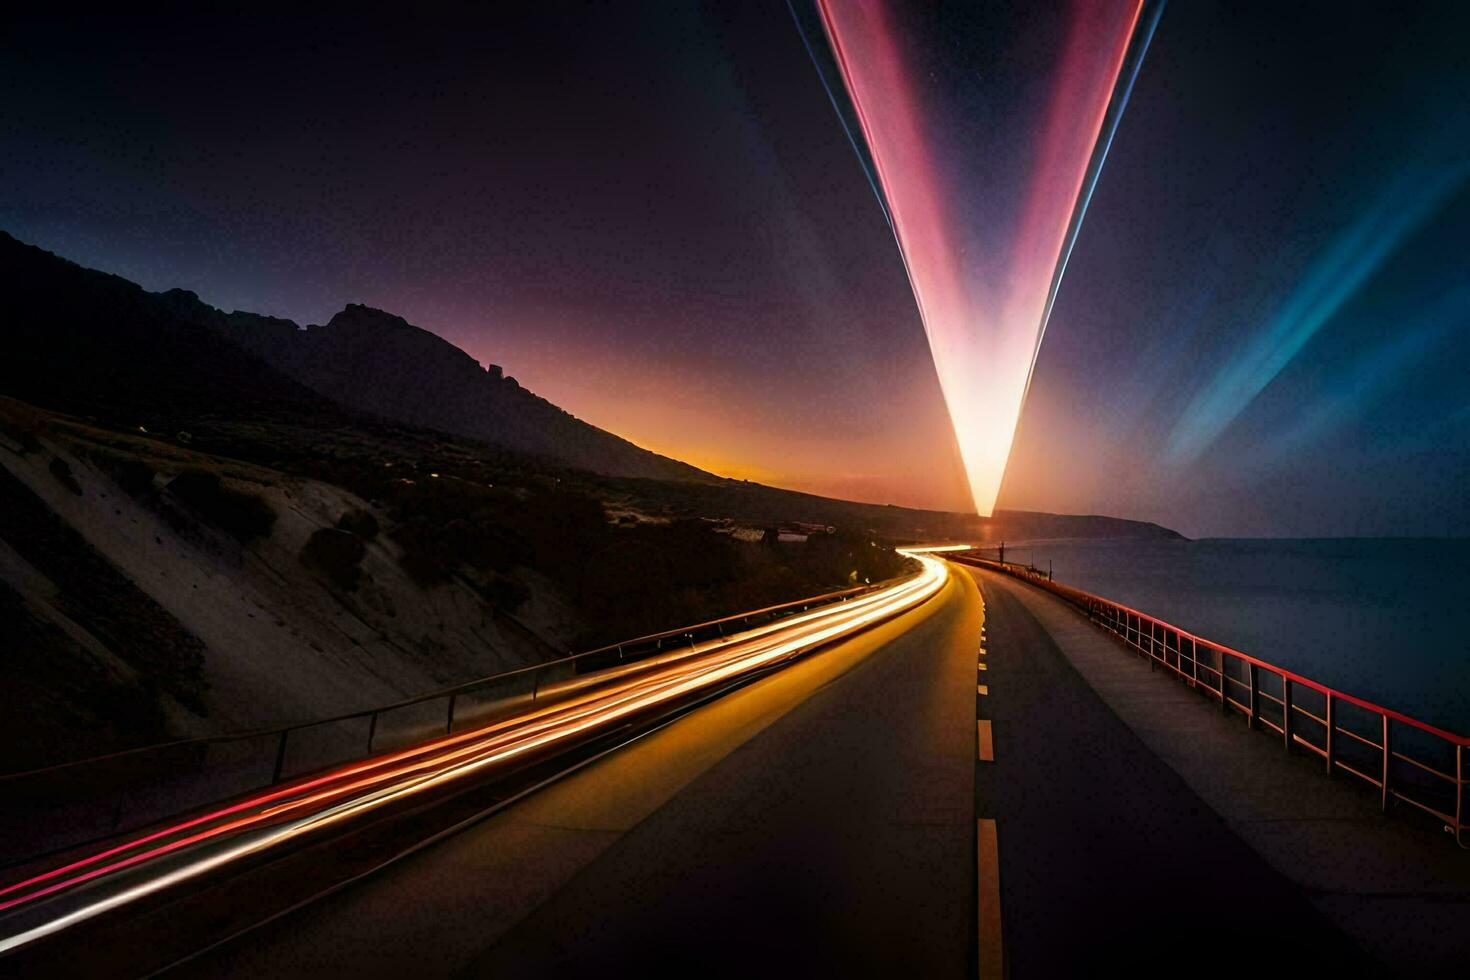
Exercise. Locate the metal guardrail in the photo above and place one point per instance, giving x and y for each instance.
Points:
(75, 803)
(1403, 758)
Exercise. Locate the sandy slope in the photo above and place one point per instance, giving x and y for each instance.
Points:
(282, 644)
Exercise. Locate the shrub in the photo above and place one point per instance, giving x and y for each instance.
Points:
(61, 469)
(359, 522)
(134, 476)
(337, 553)
(243, 516)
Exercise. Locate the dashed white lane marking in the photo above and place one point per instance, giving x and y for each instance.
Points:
(987, 744)
(987, 855)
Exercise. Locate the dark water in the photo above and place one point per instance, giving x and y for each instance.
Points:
(1384, 619)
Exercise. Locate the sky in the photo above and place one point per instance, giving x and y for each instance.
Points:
(983, 235)
(652, 215)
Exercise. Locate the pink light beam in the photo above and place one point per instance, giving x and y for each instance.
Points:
(983, 314)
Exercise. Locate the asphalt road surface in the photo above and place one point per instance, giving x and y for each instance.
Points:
(818, 821)
(867, 811)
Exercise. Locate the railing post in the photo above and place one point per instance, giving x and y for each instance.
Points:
(449, 720)
(1224, 687)
(1331, 744)
(1459, 793)
(1250, 719)
(372, 730)
(1385, 763)
(1286, 712)
(535, 684)
(280, 758)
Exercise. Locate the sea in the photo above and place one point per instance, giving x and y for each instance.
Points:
(1385, 619)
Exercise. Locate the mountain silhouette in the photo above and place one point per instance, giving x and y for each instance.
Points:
(90, 342)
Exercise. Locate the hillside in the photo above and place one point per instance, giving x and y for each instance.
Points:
(151, 587)
(87, 341)
(140, 608)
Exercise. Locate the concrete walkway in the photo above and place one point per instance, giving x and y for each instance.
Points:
(1235, 844)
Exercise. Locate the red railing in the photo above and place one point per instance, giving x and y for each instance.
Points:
(1403, 758)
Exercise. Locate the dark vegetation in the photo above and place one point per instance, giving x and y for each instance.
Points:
(359, 522)
(61, 469)
(242, 515)
(625, 580)
(134, 476)
(652, 577)
(337, 553)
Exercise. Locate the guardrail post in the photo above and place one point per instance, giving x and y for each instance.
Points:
(535, 684)
(1385, 763)
(372, 730)
(1224, 687)
(1331, 744)
(1286, 712)
(449, 721)
(280, 758)
(1459, 793)
(1250, 719)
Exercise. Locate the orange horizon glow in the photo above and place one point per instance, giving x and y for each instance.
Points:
(720, 426)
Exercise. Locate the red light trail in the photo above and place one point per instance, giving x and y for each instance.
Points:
(269, 819)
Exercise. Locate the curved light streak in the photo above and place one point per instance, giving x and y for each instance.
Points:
(147, 864)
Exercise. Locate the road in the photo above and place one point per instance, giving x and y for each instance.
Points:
(1109, 860)
(149, 870)
(903, 801)
(819, 821)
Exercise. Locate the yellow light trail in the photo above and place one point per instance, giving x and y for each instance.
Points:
(53, 900)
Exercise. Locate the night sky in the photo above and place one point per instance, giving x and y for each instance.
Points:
(652, 216)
